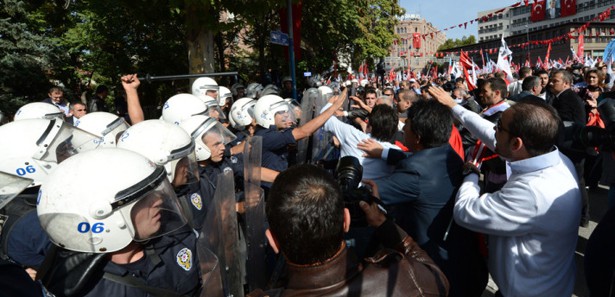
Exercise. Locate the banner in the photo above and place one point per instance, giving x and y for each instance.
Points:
(538, 10)
(569, 7)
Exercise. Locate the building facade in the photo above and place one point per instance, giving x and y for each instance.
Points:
(516, 21)
(404, 52)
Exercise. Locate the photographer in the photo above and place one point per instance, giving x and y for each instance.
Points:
(307, 221)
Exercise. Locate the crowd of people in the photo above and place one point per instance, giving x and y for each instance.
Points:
(414, 188)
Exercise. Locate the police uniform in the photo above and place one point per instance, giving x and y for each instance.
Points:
(170, 264)
(275, 147)
(209, 178)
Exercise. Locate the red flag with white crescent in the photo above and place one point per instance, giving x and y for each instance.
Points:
(568, 7)
(538, 10)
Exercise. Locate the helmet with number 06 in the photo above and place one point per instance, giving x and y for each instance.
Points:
(38, 110)
(273, 110)
(130, 200)
(34, 147)
(165, 144)
(103, 124)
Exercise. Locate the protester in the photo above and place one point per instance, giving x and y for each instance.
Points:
(532, 222)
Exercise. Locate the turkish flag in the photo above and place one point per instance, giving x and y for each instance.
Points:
(538, 10)
(569, 7)
(416, 40)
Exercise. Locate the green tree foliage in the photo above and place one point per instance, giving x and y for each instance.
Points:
(27, 55)
(78, 44)
(450, 43)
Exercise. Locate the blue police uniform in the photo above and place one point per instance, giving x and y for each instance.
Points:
(170, 264)
(209, 178)
(275, 147)
(27, 242)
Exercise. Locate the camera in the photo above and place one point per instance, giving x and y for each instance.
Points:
(349, 174)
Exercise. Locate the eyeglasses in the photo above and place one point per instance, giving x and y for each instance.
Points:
(500, 127)
(81, 109)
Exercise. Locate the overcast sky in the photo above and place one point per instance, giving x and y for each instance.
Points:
(446, 13)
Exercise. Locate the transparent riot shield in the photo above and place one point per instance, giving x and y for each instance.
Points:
(310, 96)
(321, 140)
(220, 234)
(256, 223)
(210, 270)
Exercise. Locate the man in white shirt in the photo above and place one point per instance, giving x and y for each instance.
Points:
(382, 126)
(532, 222)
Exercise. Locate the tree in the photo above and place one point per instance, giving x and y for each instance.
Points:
(450, 43)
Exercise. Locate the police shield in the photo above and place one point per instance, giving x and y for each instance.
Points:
(254, 214)
(210, 270)
(321, 140)
(220, 234)
(310, 96)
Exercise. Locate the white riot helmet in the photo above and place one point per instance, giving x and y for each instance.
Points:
(225, 96)
(36, 146)
(39, 110)
(213, 109)
(182, 106)
(202, 85)
(253, 90)
(11, 186)
(200, 127)
(165, 144)
(103, 124)
(242, 113)
(266, 109)
(130, 199)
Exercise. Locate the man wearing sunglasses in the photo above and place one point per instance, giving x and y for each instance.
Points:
(532, 222)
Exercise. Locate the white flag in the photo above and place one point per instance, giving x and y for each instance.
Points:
(503, 62)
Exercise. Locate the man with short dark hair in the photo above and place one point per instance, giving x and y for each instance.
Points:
(56, 97)
(381, 125)
(419, 195)
(545, 94)
(307, 222)
(571, 110)
(492, 98)
(97, 103)
(515, 88)
(532, 222)
(531, 86)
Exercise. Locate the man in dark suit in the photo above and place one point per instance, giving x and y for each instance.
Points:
(571, 110)
(420, 195)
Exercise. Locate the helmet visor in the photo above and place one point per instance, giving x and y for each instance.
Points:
(11, 186)
(155, 213)
(284, 115)
(61, 140)
(214, 111)
(113, 131)
(186, 171)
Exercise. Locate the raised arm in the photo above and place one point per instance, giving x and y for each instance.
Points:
(131, 83)
(310, 127)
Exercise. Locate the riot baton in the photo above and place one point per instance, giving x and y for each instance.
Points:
(149, 78)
